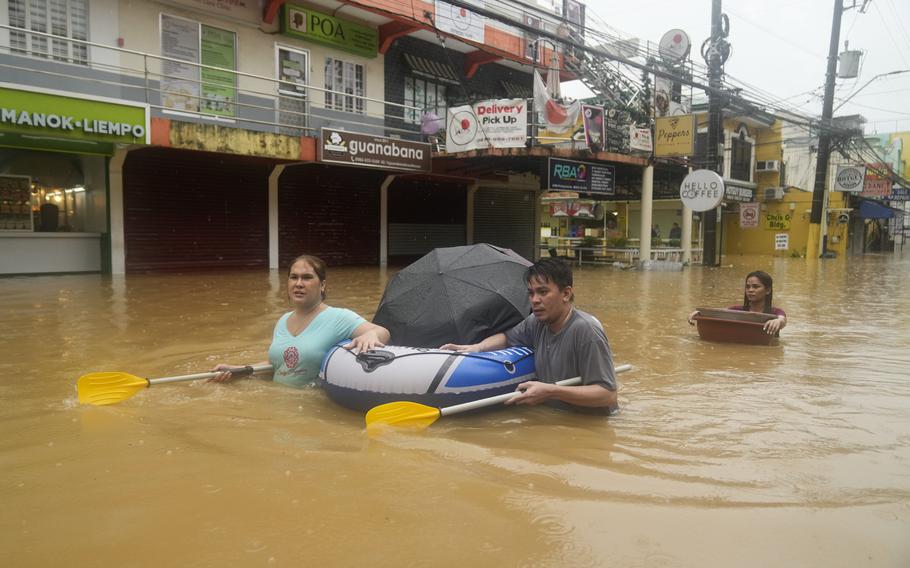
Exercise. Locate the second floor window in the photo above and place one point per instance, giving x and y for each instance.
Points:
(66, 18)
(741, 159)
(426, 96)
(345, 85)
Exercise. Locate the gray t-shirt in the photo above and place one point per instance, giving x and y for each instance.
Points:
(579, 349)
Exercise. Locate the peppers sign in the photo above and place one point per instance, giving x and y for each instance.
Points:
(39, 113)
(702, 190)
(849, 179)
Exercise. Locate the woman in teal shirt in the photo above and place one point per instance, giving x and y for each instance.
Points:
(303, 336)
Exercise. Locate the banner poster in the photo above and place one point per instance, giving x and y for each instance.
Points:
(594, 127)
(875, 184)
(640, 139)
(179, 81)
(219, 87)
(617, 123)
(501, 123)
(461, 22)
(748, 215)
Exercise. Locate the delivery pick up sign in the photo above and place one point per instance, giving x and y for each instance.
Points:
(702, 190)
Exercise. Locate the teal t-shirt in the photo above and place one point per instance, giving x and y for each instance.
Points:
(297, 359)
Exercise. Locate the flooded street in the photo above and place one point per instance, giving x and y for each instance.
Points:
(723, 455)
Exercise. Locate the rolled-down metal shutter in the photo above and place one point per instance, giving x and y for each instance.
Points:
(424, 214)
(331, 212)
(505, 218)
(184, 210)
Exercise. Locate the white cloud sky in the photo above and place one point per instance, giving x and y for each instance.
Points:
(781, 47)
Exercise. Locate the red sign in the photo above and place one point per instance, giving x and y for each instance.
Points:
(878, 181)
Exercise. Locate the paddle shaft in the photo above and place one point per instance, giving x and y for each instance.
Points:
(493, 400)
(236, 372)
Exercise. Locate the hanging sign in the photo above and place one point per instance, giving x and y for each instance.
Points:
(748, 215)
(899, 193)
(674, 136)
(315, 26)
(849, 179)
(501, 123)
(702, 190)
(583, 177)
(876, 184)
(460, 21)
(368, 151)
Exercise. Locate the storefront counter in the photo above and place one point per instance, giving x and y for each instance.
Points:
(35, 253)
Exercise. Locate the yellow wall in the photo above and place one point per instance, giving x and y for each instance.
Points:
(905, 154)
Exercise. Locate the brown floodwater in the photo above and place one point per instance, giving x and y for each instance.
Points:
(723, 455)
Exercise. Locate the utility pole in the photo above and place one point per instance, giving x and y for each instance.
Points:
(716, 55)
(818, 239)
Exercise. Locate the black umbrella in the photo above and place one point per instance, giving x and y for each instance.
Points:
(455, 295)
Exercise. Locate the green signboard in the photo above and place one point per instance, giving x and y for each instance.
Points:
(37, 115)
(219, 89)
(308, 24)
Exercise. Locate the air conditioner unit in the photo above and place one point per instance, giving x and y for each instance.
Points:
(774, 193)
(767, 165)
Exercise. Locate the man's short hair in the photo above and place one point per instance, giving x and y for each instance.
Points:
(550, 270)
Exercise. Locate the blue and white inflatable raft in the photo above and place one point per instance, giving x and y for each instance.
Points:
(434, 377)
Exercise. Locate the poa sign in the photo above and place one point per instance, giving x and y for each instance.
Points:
(702, 190)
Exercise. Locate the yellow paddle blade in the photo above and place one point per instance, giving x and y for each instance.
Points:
(108, 387)
(401, 414)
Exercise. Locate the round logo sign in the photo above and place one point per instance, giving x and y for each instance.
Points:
(850, 179)
(674, 46)
(702, 190)
(463, 127)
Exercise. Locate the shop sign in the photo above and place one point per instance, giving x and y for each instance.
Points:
(501, 123)
(748, 215)
(781, 241)
(702, 190)
(460, 21)
(778, 221)
(41, 113)
(877, 185)
(640, 139)
(583, 177)
(243, 10)
(739, 194)
(849, 179)
(311, 25)
(674, 136)
(899, 193)
(368, 151)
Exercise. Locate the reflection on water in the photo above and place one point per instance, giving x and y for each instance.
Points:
(723, 455)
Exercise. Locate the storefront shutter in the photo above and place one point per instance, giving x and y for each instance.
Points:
(505, 218)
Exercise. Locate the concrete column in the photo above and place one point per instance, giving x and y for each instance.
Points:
(686, 234)
(384, 220)
(115, 210)
(469, 222)
(647, 193)
(273, 214)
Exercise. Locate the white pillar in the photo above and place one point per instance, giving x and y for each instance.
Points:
(115, 209)
(647, 193)
(384, 220)
(469, 222)
(686, 234)
(273, 215)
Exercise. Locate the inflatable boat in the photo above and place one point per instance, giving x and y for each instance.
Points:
(434, 377)
(733, 326)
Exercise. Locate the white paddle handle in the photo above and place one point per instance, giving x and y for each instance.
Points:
(464, 407)
(237, 372)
